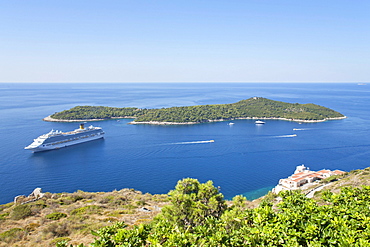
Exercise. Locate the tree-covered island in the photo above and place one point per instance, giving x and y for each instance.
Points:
(256, 107)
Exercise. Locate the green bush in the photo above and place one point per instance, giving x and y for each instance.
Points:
(56, 216)
(106, 199)
(76, 198)
(119, 200)
(198, 216)
(140, 203)
(21, 212)
(37, 206)
(5, 206)
(65, 240)
(130, 206)
(12, 235)
(3, 216)
(160, 198)
(67, 200)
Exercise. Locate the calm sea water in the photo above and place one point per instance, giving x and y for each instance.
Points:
(244, 159)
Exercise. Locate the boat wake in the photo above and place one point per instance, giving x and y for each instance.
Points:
(300, 129)
(284, 136)
(194, 142)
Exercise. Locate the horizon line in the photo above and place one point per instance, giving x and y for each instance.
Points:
(357, 82)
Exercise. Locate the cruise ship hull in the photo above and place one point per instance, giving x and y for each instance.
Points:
(55, 139)
(62, 145)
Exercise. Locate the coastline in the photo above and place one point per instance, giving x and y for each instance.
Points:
(163, 123)
(223, 120)
(50, 119)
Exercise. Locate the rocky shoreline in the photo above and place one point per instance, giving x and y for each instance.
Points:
(223, 120)
(163, 123)
(50, 119)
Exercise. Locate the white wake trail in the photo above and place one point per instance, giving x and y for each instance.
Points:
(193, 142)
(283, 136)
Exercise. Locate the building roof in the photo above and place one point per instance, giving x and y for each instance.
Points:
(307, 174)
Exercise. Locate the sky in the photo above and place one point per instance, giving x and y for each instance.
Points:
(185, 41)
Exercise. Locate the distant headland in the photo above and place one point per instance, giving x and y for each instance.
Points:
(252, 108)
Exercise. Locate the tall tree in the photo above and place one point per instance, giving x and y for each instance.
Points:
(192, 202)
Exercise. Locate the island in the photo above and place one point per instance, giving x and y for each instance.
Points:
(252, 108)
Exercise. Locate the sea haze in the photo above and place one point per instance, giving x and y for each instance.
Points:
(244, 158)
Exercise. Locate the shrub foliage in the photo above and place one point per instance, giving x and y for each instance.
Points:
(21, 212)
(56, 216)
(12, 235)
(198, 216)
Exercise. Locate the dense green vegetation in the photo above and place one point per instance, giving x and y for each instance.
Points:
(253, 107)
(97, 112)
(21, 212)
(56, 216)
(198, 216)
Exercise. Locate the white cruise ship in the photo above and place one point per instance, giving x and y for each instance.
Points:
(57, 139)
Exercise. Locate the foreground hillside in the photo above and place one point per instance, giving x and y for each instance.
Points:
(251, 108)
(195, 214)
(72, 216)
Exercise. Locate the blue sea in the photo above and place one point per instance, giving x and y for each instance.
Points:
(244, 158)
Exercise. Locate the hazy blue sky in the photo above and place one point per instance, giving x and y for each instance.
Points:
(185, 41)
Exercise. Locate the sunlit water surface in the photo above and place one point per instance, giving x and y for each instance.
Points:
(244, 158)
